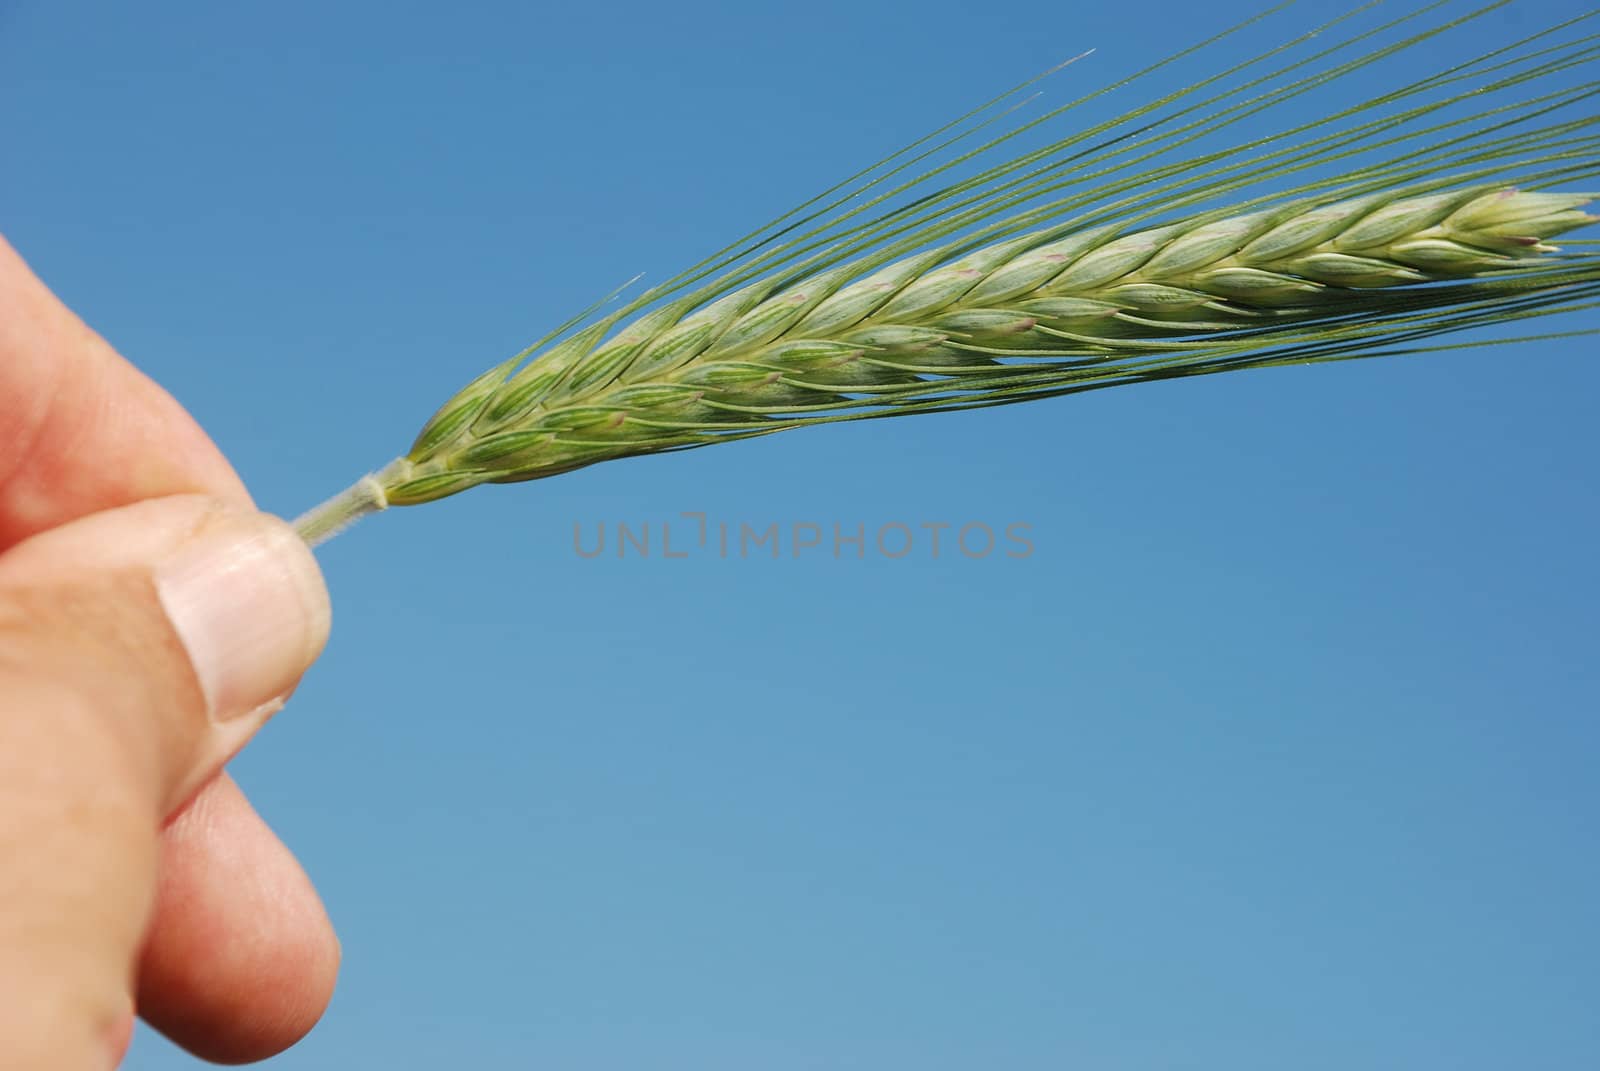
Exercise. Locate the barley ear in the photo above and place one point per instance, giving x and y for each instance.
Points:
(1407, 217)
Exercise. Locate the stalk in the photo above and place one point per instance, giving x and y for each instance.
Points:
(326, 520)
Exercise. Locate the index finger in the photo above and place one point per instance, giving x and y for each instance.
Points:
(81, 429)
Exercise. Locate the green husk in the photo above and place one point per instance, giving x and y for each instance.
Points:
(1091, 262)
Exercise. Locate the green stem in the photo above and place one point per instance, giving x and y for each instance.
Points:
(366, 495)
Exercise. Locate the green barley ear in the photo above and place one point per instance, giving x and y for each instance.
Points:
(1098, 260)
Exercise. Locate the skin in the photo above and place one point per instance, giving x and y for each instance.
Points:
(115, 897)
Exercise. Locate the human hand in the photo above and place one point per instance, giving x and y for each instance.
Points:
(150, 621)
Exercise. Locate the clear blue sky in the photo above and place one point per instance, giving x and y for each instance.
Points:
(1279, 751)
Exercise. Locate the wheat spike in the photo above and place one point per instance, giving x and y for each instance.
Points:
(962, 299)
(859, 337)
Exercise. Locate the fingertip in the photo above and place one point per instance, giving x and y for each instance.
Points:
(242, 958)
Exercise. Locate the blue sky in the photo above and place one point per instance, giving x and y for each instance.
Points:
(1278, 750)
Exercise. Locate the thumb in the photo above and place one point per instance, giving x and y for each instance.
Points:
(139, 649)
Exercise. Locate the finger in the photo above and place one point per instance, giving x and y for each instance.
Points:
(139, 648)
(82, 430)
(247, 959)
(74, 400)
